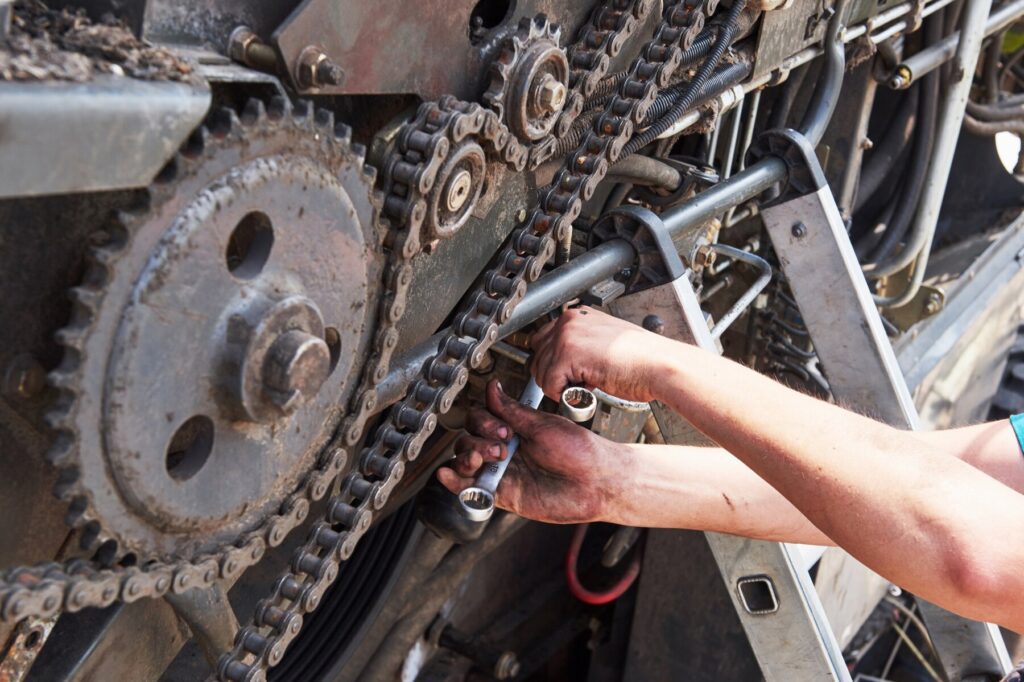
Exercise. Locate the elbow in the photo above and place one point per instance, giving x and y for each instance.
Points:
(976, 584)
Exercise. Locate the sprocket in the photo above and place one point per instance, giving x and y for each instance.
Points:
(217, 338)
(528, 83)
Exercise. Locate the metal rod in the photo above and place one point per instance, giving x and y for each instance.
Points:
(567, 282)
(951, 116)
(750, 294)
(930, 58)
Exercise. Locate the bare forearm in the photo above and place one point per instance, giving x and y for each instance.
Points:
(847, 473)
(666, 486)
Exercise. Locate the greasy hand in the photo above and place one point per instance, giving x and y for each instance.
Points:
(584, 346)
(562, 473)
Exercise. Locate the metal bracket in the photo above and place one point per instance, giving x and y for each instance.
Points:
(804, 175)
(657, 260)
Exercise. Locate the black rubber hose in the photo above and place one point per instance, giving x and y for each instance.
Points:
(784, 103)
(721, 81)
(924, 143)
(699, 49)
(688, 97)
(880, 164)
(830, 81)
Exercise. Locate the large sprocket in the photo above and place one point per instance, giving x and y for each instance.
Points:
(217, 338)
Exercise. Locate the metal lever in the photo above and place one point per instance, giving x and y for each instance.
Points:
(477, 502)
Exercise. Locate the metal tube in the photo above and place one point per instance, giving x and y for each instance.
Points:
(644, 170)
(941, 52)
(550, 292)
(716, 200)
(948, 131)
(750, 294)
(570, 280)
(826, 94)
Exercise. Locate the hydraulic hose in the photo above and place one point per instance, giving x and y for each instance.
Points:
(644, 170)
(688, 97)
(995, 113)
(924, 144)
(576, 587)
(951, 117)
(880, 165)
(721, 81)
(830, 82)
(699, 49)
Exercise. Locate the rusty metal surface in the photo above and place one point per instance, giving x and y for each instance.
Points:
(436, 35)
(26, 642)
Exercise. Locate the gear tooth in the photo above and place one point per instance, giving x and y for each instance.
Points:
(61, 378)
(302, 109)
(196, 143)
(254, 111)
(85, 296)
(69, 337)
(67, 486)
(62, 452)
(75, 515)
(224, 121)
(92, 536)
(342, 132)
(324, 118)
(280, 106)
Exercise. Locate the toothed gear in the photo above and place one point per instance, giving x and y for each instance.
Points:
(218, 334)
(529, 82)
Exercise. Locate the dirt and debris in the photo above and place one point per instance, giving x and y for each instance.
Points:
(49, 44)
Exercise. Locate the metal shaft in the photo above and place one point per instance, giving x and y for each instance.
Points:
(477, 502)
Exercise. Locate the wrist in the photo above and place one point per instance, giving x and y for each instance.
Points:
(663, 369)
(617, 473)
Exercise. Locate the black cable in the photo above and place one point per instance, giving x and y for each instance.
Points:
(687, 97)
(909, 198)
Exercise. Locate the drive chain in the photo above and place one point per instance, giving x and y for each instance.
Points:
(408, 177)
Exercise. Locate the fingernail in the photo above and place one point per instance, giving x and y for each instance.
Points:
(494, 450)
(503, 432)
(498, 384)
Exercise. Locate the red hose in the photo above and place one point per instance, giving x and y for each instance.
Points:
(576, 587)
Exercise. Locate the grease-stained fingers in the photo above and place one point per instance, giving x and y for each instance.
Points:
(451, 480)
(482, 423)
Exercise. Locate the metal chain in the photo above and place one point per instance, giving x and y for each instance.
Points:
(44, 589)
(408, 176)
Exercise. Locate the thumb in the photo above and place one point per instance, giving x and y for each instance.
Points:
(521, 419)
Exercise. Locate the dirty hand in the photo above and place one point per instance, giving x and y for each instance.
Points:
(584, 346)
(562, 473)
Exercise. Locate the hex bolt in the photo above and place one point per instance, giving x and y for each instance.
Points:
(799, 230)
(315, 69)
(550, 94)
(246, 47)
(933, 304)
(296, 366)
(502, 665)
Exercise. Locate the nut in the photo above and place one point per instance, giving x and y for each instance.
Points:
(315, 69)
(550, 94)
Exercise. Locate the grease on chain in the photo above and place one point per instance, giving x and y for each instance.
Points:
(408, 177)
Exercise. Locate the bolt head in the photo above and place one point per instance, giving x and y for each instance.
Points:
(295, 368)
(550, 94)
(653, 323)
(459, 189)
(315, 69)
(933, 304)
(799, 230)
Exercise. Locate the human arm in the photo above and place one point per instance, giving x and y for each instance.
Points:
(897, 501)
(563, 473)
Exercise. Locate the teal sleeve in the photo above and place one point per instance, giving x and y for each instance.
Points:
(1017, 422)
